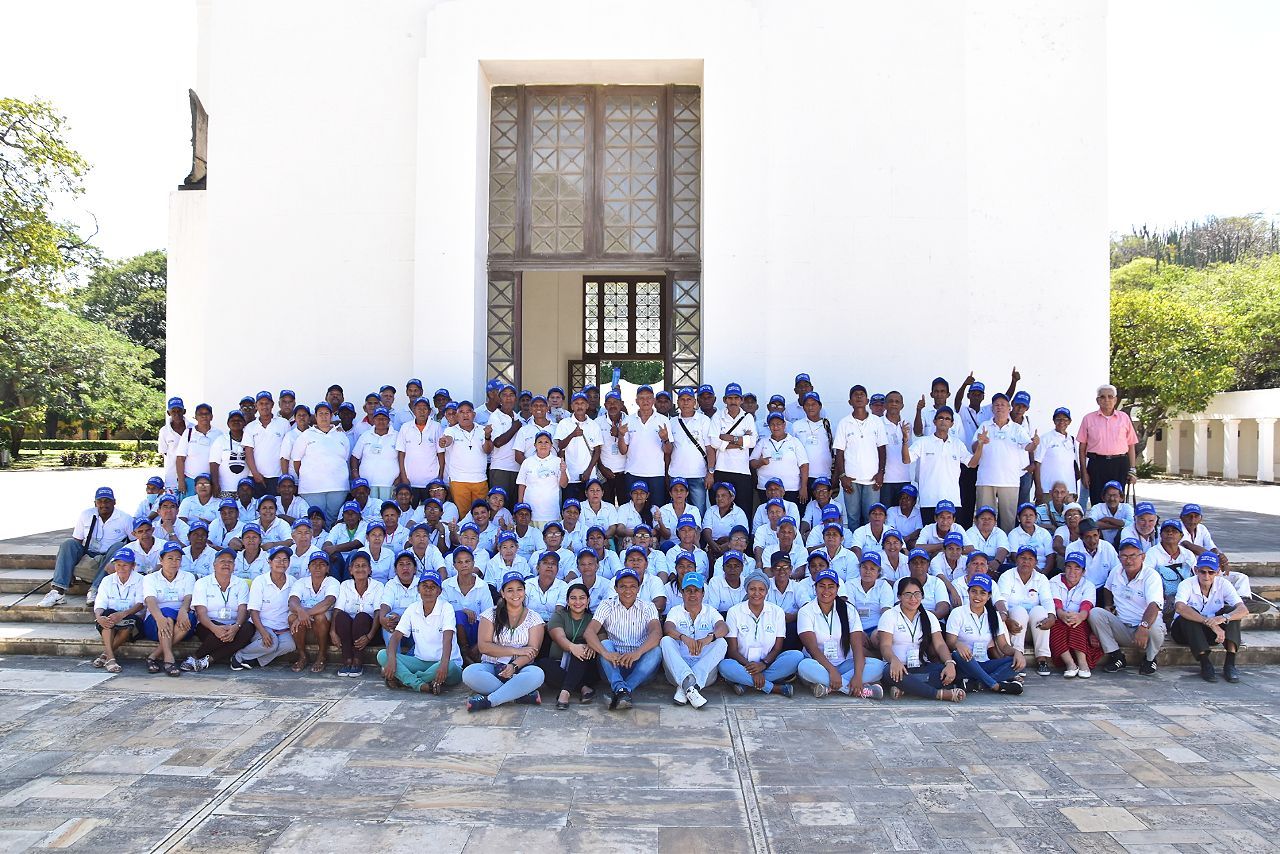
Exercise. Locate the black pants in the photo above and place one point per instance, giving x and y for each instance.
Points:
(506, 480)
(1102, 469)
(268, 486)
(926, 515)
(968, 496)
(574, 676)
(1200, 637)
(220, 650)
(348, 628)
(744, 491)
(576, 491)
(616, 489)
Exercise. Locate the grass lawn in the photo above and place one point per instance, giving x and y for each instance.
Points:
(32, 459)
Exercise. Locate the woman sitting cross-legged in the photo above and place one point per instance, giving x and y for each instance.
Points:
(757, 635)
(973, 632)
(430, 625)
(509, 638)
(912, 644)
(572, 664)
(835, 658)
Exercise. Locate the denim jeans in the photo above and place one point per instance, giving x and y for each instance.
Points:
(989, 672)
(329, 502)
(857, 505)
(657, 489)
(483, 679)
(783, 666)
(815, 672)
(632, 677)
(70, 553)
(678, 666)
(698, 494)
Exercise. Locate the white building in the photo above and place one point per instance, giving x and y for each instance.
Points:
(1234, 438)
(873, 192)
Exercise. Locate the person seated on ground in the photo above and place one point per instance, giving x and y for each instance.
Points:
(1143, 527)
(252, 561)
(974, 633)
(571, 664)
(346, 537)
(202, 504)
(939, 595)
(914, 649)
(1112, 515)
(694, 644)
(1137, 596)
(168, 527)
(904, 517)
(509, 639)
(470, 597)
(1196, 536)
(787, 593)
(720, 520)
(544, 593)
(835, 649)
(950, 562)
(933, 535)
(168, 619)
(1071, 641)
(871, 596)
(754, 653)
(987, 538)
(354, 625)
(1024, 602)
(398, 593)
(197, 558)
(221, 603)
(1172, 561)
(1027, 533)
(116, 611)
(893, 559)
(1067, 536)
(726, 588)
(630, 654)
(428, 625)
(311, 602)
(99, 531)
(1052, 514)
(1208, 612)
(1100, 557)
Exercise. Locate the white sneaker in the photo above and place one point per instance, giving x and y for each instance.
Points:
(203, 663)
(1085, 673)
(89, 597)
(680, 697)
(820, 689)
(695, 697)
(1070, 673)
(53, 597)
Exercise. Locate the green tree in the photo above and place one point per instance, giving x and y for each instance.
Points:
(1168, 355)
(55, 359)
(129, 297)
(37, 166)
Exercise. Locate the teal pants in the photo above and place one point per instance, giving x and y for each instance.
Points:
(413, 672)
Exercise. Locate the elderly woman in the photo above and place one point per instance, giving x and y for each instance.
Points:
(1208, 612)
(398, 593)
(470, 597)
(221, 603)
(1071, 641)
(572, 664)
(509, 638)
(169, 619)
(269, 613)
(1028, 533)
(721, 518)
(835, 649)
(757, 632)
(311, 602)
(1025, 602)
(116, 609)
(429, 624)
(913, 645)
(321, 458)
(985, 537)
(975, 632)
(354, 623)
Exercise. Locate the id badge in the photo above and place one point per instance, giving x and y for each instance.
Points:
(864, 611)
(777, 455)
(224, 614)
(831, 649)
(755, 653)
(913, 658)
(979, 653)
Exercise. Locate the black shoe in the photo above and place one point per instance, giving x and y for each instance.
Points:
(1230, 673)
(621, 700)
(1011, 686)
(1114, 663)
(1148, 667)
(1207, 673)
(613, 701)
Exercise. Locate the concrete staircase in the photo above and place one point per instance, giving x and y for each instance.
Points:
(26, 629)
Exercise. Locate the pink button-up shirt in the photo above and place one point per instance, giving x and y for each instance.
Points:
(1107, 435)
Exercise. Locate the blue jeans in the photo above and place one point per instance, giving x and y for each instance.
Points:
(857, 505)
(630, 678)
(989, 673)
(890, 492)
(783, 666)
(924, 681)
(815, 672)
(698, 494)
(1025, 484)
(406, 643)
(70, 553)
(483, 679)
(329, 502)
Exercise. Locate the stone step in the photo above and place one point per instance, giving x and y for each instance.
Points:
(27, 559)
(19, 581)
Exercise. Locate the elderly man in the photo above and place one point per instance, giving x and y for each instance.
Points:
(99, 531)
(1108, 445)
(1137, 598)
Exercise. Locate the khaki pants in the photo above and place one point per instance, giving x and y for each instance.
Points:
(464, 494)
(1005, 500)
(1112, 632)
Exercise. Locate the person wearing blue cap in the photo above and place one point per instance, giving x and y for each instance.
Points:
(755, 655)
(949, 562)
(412, 391)
(1057, 459)
(707, 401)
(1169, 558)
(510, 636)
(311, 602)
(246, 504)
(734, 432)
(897, 433)
(694, 643)
(1143, 527)
(776, 403)
(501, 429)
(971, 416)
(773, 489)
(168, 619)
(168, 527)
(263, 437)
(939, 394)
(321, 461)
(1135, 593)
(688, 531)
(1006, 455)
(268, 612)
(613, 462)
(721, 518)
(417, 449)
(1028, 533)
(374, 457)
(146, 550)
(780, 456)
(116, 610)
(147, 506)
(1025, 603)
(345, 537)
(555, 404)
(197, 557)
(464, 456)
(252, 560)
(221, 605)
(191, 456)
(506, 560)
(300, 423)
(536, 422)
(1071, 641)
(693, 451)
(579, 441)
(167, 442)
(469, 595)
(867, 537)
(813, 429)
(914, 649)
(630, 655)
(355, 612)
(835, 647)
(1207, 612)
(429, 626)
(645, 439)
(1108, 445)
(667, 519)
(1196, 536)
(1113, 513)
(540, 482)
(545, 591)
(904, 514)
(987, 538)
(974, 633)
(1019, 403)
(492, 395)
(860, 446)
(802, 387)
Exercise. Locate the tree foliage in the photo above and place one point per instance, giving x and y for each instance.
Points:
(37, 167)
(1217, 240)
(129, 297)
(56, 359)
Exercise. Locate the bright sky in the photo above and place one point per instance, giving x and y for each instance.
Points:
(1191, 128)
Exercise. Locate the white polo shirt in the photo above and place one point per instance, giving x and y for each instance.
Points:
(721, 596)
(1132, 597)
(756, 636)
(907, 634)
(895, 470)
(940, 461)
(1039, 539)
(860, 438)
(1221, 595)
(465, 457)
(645, 457)
(785, 456)
(398, 597)
(1025, 594)
(735, 460)
(308, 595)
(688, 460)
(117, 527)
(546, 601)
(323, 459)
(699, 627)
(420, 448)
(610, 456)
(1099, 564)
(503, 458)
(816, 436)
(266, 440)
(196, 447)
(826, 629)
(1005, 456)
(350, 600)
(114, 596)
(606, 516)
(870, 604)
(577, 454)
(379, 462)
(974, 630)
(1072, 598)
(168, 593)
(524, 439)
(427, 630)
(968, 422)
(271, 602)
(222, 605)
(167, 445)
(989, 544)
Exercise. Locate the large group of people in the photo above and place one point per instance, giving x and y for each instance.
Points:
(573, 542)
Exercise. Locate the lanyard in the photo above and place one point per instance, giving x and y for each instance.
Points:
(756, 620)
(912, 627)
(830, 620)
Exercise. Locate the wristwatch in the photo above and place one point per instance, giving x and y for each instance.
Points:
(1144, 624)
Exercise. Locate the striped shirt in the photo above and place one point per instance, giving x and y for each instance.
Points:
(516, 636)
(627, 627)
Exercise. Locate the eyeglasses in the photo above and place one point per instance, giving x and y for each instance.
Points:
(911, 594)
(1206, 572)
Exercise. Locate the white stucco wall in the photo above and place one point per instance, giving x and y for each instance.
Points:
(929, 177)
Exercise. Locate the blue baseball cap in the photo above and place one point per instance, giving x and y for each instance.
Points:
(732, 554)
(635, 550)
(877, 506)
(687, 555)
(463, 548)
(548, 555)
(1026, 549)
(978, 386)
(263, 395)
(584, 551)
(952, 539)
(626, 572)
(733, 390)
(347, 406)
(155, 481)
(677, 481)
(1208, 559)
(891, 532)
(802, 378)
(324, 404)
(104, 492)
(514, 575)
(175, 403)
(170, 546)
(381, 410)
(1171, 523)
(507, 537)
(1113, 484)
(498, 490)
(827, 575)
(375, 525)
(1062, 410)
(724, 484)
(871, 557)
(830, 512)
(197, 525)
(663, 393)
(421, 400)
(277, 550)
(231, 553)
(434, 577)
(577, 395)
(1188, 509)
(1144, 508)
(556, 388)
(910, 489)
(318, 556)
(1079, 559)
(351, 506)
(692, 579)
(822, 480)
(985, 508)
(521, 506)
(1022, 398)
(833, 526)
(227, 504)
(167, 499)
(776, 502)
(251, 527)
(816, 556)
(706, 388)
(466, 526)
(639, 485)
(773, 481)
(413, 381)
(1026, 505)
(787, 520)
(441, 392)
(810, 395)
(451, 406)
(686, 521)
(302, 522)
(642, 527)
(981, 581)
(1128, 543)
(553, 524)
(125, 555)
(571, 502)
(972, 556)
(287, 477)
(287, 392)
(245, 481)
(918, 554)
(777, 398)
(877, 398)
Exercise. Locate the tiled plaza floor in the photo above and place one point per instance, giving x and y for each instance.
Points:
(225, 762)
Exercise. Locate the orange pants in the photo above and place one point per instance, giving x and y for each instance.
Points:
(464, 494)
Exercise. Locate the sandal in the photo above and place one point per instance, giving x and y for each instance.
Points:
(895, 693)
(953, 695)
(153, 665)
(101, 660)
(171, 668)
(112, 666)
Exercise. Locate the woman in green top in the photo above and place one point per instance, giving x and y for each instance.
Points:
(571, 661)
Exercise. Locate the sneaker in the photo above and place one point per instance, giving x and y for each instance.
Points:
(740, 690)
(1070, 673)
(786, 690)
(622, 700)
(237, 663)
(1207, 671)
(821, 689)
(1043, 668)
(204, 663)
(679, 697)
(90, 596)
(533, 698)
(1148, 667)
(53, 597)
(1085, 673)
(478, 702)
(188, 665)
(1011, 686)
(695, 697)
(1114, 663)
(874, 691)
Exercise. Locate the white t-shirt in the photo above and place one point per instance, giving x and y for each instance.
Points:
(906, 633)
(266, 441)
(528, 434)
(308, 595)
(645, 457)
(610, 456)
(540, 477)
(427, 630)
(895, 470)
(736, 460)
(196, 447)
(974, 630)
(1057, 455)
(116, 596)
(756, 635)
(379, 462)
(577, 454)
(350, 600)
(1099, 564)
(813, 435)
(1005, 457)
(222, 605)
(1221, 595)
(687, 459)
(271, 602)
(420, 449)
(860, 438)
(1026, 594)
(168, 594)
(516, 636)
(465, 457)
(229, 455)
(323, 459)
(826, 629)
(167, 445)
(785, 457)
(940, 461)
(503, 457)
(968, 421)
